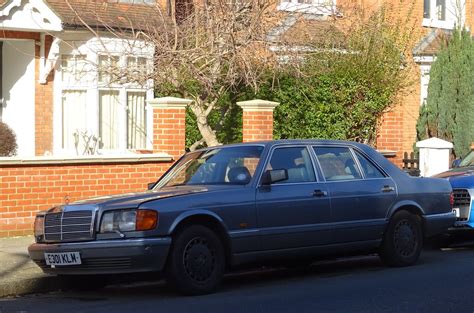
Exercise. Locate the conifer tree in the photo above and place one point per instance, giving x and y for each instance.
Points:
(449, 109)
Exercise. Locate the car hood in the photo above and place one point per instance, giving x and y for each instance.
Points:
(133, 200)
(460, 177)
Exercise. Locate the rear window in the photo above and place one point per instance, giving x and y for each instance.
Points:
(369, 169)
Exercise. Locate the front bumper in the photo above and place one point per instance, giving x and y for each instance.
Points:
(438, 223)
(107, 256)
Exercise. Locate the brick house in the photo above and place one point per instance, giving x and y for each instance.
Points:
(79, 132)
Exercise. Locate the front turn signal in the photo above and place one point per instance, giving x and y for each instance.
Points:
(146, 220)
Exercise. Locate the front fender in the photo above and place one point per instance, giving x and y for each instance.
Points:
(405, 203)
(195, 213)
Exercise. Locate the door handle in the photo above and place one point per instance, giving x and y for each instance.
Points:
(388, 189)
(319, 193)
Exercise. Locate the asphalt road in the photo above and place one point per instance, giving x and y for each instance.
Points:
(442, 281)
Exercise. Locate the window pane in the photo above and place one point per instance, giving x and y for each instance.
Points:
(108, 68)
(136, 120)
(296, 161)
(215, 166)
(73, 68)
(369, 169)
(426, 8)
(337, 163)
(441, 10)
(137, 66)
(109, 106)
(74, 120)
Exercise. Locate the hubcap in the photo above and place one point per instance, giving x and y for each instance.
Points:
(405, 238)
(199, 259)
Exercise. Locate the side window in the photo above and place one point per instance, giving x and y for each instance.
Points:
(296, 160)
(337, 163)
(369, 169)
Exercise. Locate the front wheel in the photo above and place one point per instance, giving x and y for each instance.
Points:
(403, 240)
(196, 262)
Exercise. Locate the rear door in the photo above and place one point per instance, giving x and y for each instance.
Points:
(361, 193)
(293, 213)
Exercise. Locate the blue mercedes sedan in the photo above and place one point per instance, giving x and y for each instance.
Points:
(254, 203)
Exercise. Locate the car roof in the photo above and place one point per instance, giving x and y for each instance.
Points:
(271, 143)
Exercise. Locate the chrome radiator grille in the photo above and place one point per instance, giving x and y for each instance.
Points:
(68, 226)
(462, 201)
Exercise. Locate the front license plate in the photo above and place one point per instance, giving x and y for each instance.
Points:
(63, 258)
(456, 211)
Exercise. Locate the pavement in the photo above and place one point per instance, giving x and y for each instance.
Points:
(18, 274)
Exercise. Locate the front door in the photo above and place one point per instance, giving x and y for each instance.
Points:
(293, 213)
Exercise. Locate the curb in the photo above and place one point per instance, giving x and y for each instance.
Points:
(31, 285)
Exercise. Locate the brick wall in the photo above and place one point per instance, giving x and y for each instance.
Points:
(25, 190)
(397, 130)
(169, 130)
(257, 120)
(257, 126)
(43, 105)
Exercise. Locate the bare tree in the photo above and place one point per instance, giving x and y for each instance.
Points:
(217, 46)
(202, 49)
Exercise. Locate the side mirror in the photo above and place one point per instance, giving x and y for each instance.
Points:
(456, 163)
(274, 176)
(151, 185)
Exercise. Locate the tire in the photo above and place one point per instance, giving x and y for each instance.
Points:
(196, 263)
(403, 240)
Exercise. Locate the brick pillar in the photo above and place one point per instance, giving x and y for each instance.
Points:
(169, 116)
(257, 120)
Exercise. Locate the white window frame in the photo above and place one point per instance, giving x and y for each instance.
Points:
(317, 7)
(92, 89)
(424, 81)
(453, 9)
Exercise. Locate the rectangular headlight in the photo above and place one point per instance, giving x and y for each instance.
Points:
(128, 220)
(39, 227)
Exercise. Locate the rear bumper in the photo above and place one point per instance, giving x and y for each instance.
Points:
(107, 256)
(438, 223)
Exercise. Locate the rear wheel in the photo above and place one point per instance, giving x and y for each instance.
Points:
(403, 240)
(196, 262)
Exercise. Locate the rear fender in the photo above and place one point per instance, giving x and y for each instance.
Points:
(408, 205)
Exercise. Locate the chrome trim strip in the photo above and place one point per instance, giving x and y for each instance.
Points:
(101, 243)
(439, 215)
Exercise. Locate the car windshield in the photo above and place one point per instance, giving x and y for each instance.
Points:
(217, 166)
(468, 160)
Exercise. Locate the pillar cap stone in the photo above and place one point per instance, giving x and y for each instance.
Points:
(434, 143)
(258, 105)
(169, 102)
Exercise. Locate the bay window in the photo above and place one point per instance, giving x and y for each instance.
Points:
(101, 109)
